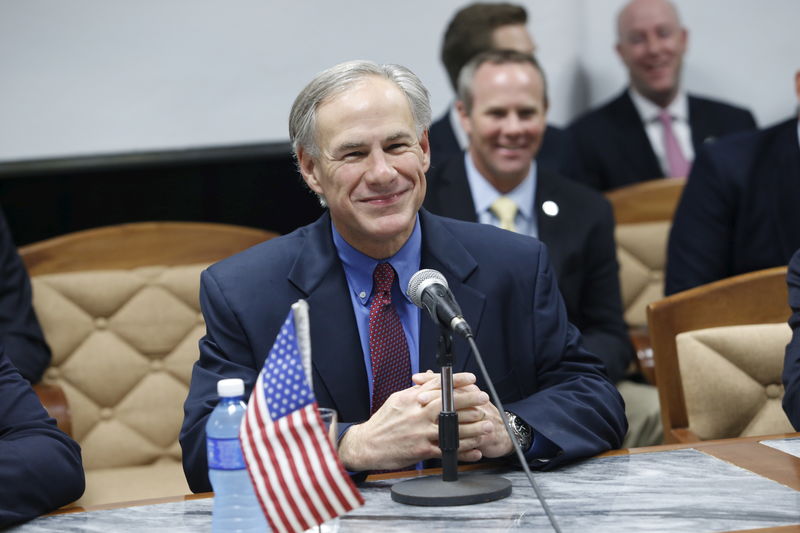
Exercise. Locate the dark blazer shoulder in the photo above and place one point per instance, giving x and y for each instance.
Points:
(443, 141)
(570, 191)
(720, 107)
(480, 238)
(611, 110)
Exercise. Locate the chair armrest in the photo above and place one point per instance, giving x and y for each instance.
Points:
(682, 435)
(55, 402)
(640, 338)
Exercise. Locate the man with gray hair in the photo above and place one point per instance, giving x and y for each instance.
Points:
(654, 128)
(359, 132)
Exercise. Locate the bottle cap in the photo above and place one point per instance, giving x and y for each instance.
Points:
(227, 388)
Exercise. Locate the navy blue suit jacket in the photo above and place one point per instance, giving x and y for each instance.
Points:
(505, 287)
(555, 154)
(612, 147)
(581, 247)
(791, 363)
(40, 466)
(19, 329)
(739, 210)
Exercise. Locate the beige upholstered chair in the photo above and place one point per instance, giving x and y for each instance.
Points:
(643, 213)
(719, 355)
(119, 308)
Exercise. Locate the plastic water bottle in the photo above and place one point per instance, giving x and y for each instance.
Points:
(235, 505)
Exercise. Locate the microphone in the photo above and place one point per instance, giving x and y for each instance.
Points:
(428, 289)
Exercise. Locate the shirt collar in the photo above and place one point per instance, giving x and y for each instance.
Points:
(358, 267)
(648, 111)
(484, 195)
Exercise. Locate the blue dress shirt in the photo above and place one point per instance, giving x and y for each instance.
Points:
(358, 270)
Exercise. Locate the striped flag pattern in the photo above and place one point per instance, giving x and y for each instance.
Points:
(297, 475)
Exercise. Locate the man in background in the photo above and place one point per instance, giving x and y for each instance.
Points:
(503, 106)
(474, 29)
(738, 212)
(654, 128)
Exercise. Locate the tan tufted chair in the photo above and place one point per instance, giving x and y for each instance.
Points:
(719, 355)
(643, 214)
(119, 308)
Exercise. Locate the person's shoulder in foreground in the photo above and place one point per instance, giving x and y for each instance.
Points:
(19, 329)
(40, 466)
(791, 363)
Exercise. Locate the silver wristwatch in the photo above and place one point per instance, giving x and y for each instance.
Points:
(522, 432)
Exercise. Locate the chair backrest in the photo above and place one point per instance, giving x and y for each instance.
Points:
(139, 244)
(119, 307)
(643, 213)
(717, 378)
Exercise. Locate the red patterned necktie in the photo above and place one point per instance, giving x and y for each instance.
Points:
(391, 364)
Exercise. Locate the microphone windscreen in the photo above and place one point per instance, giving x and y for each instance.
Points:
(420, 281)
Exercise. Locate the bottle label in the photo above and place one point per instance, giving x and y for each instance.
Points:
(224, 454)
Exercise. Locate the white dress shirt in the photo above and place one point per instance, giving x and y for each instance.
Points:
(679, 111)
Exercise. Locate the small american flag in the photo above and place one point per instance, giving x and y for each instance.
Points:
(295, 470)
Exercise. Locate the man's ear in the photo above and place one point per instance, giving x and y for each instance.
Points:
(463, 117)
(308, 169)
(425, 144)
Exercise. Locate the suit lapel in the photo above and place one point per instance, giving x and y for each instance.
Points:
(339, 366)
(448, 191)
(700, 124)
(548, 224)
(636, 152)
(441, 251)
(635, 144)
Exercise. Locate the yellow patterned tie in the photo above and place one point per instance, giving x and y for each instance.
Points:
(505, 209)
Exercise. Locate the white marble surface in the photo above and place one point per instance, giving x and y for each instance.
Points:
(676, 491)
(790, 446)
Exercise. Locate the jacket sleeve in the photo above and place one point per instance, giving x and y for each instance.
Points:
(573, 404)
(791, 363)
(19, 330)
(224, 353)
(40, 466)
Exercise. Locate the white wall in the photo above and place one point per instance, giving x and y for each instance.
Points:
(85, 77)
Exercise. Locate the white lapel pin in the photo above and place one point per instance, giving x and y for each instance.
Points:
(550, 208)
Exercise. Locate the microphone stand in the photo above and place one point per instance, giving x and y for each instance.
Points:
(449, 490)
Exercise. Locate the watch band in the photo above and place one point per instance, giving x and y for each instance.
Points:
(522, 431)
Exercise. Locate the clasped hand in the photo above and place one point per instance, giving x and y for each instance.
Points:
(405, 429)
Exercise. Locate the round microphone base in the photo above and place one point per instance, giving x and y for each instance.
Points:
(433, 492)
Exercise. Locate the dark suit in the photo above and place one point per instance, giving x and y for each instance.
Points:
(612, 147)
(739, 210)
(791, 363)
(19, 329)
(40, 466)
(555, 154)
(580, 242)
(504, 285)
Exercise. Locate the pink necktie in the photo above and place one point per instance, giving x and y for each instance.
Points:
(677, 163)
(391, 364)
